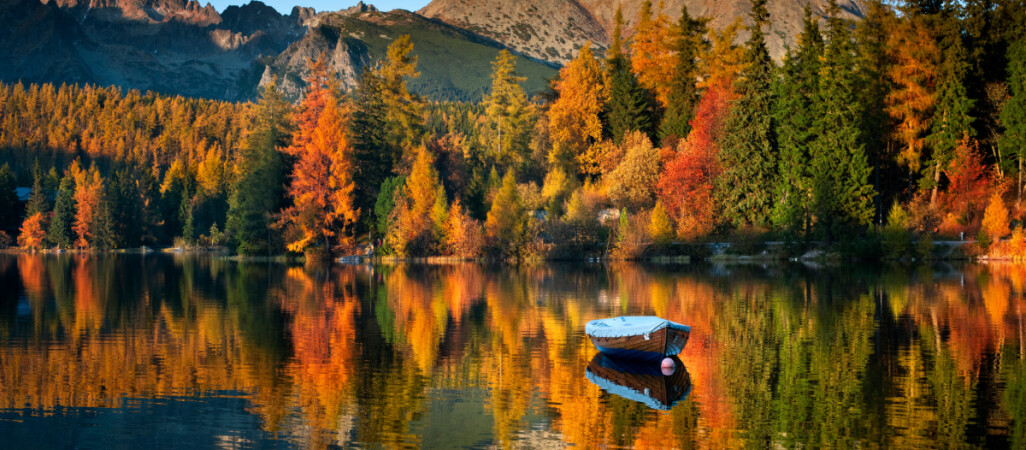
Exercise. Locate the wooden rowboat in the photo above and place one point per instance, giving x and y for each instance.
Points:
(638, 337)
(640, 381)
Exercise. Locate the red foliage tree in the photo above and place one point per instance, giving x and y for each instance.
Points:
(969, 182)
(686, 185)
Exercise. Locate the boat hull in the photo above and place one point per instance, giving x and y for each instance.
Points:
(653, 346)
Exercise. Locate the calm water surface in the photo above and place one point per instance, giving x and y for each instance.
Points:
(162, 351)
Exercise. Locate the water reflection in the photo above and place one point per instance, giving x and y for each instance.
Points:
(471, 355)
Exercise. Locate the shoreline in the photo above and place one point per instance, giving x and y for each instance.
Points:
(711, 252)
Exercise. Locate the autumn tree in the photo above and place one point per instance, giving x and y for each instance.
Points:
(629, 107)
(652, 59)
(722, 60)
(510, 115)
(463, 235)
(995, 218)
(89, 202)
(506, 224)
(575, 121)
(260, 176)
(404, 118)
(176, 192)
(556, 187)
(968, 181)
(749, 152)
(687, 43)
(632, 183)
(321, 186)
(33, 232)
(911, 101)
(685, 186)
(660, 226)
(413, 231)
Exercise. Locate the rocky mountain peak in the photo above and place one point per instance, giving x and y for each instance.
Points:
(554, 29)
(147, 11)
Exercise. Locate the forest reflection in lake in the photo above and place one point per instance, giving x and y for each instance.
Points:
(131, 350)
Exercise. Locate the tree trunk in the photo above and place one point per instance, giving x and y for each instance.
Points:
(936, 183)
(1018, 186)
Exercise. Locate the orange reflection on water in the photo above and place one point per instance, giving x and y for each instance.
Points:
(332, 355)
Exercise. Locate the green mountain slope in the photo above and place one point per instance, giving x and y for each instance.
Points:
(454, 64)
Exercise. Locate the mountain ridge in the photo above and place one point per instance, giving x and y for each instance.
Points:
(185, 48)
(507, 22)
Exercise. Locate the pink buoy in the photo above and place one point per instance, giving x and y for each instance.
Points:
(668, 366)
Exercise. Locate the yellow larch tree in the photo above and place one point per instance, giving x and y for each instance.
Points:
(911, 101)
(721, 61)
(652, 52)
(321, 187)
(575, 121)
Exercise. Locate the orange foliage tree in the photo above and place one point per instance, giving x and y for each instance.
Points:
(463, 235)
(322, 186)
(575, 116)
(652, 52)
(914, 74)
(413, 231)
(88, 195)
(33, 231)
(995, 218)
(685, 187)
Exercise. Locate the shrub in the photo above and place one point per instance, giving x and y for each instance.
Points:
(896, 240)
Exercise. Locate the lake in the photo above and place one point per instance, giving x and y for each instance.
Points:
(194, 351)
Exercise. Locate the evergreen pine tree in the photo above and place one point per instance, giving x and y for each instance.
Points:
(38, 201)
(951, 118)
(122, 203)
(510, 115)
(10, 211)
(261, 177)
(842, 194)
(374, 157)
(629, 107)
(749, 149)
(797, 90)
(60, 232)
(103, 229)
(390, 189)
(871, 35)
(1013, 113)
(185, 217)
(689, 43)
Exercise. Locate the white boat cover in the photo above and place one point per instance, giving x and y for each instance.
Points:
(626, 392)
(629, 326)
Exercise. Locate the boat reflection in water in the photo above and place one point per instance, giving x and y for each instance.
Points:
(640, 380)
